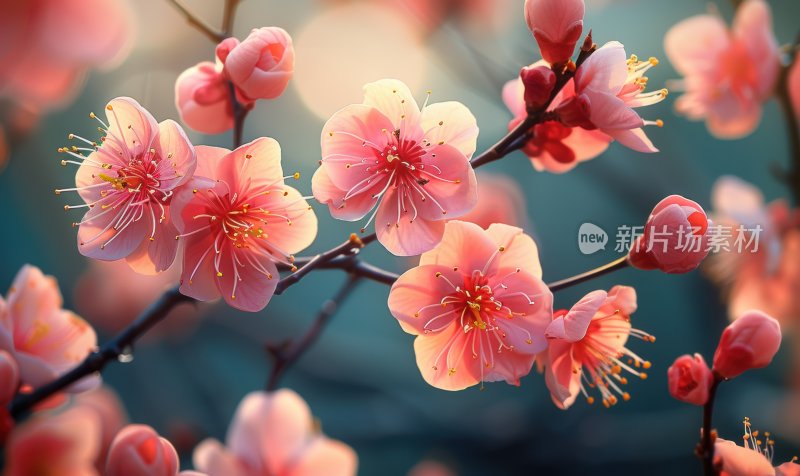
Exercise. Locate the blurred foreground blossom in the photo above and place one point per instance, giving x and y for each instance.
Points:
(728, 73)
(413, 164)
(749, 342)
(138, 450)
(754, 458)
(273, 433)
(477, 305)
(108, 408)
(9, 383)
(500, 200)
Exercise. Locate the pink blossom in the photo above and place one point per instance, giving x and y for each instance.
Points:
(500, 200)
(137, 450)
(587, 347)
(9, 384)
(47, 46)
(106, 405)
(794, 84)
(675, 237)
(553, 146)
(273, 433)
(690, 379)
(753, 458)
(608, 88)
(749, 342)
(66, 444)
(557, 25)
(477, 305)
(475, 16)
(44, 339)
(238, 219)
(728, 73)
(260, 66)
(127, 183)
(414, 165)
(203, 99)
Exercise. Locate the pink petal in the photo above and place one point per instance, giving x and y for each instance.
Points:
(245, 287)
(740, 461)
(324, 456)
(514, 97)
(257, 162)
(510, 368)
(694, 44)
(560, 376)
(130, 122)
(520, 250)
(403, 237)
(352, 209)
(610, 112)
(418, 288)
(525, 333)
(730, 117)
(753, 25)
(9, 377)
(178, 160)
(208, 160)
(198, 279)
(215, 460)
(623, 298)
(605, 71)
(97, 237)
(458, 128)
(153, 257)
(203, 99)
(572, 327)
(634, 139)
(301, 232)
(464, 245)
(450, 165)
(393, 98)
(445, 359)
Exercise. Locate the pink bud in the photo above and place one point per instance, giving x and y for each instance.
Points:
(675, 238)
(203, 99)
(749, 342)
(557, 26)
(225, 47)
(539, 82)
(689, 379)
(262, 64)
(9, 377)
(137, 450)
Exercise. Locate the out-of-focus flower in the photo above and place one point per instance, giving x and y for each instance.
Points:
(477, 305)
(128, 182)
(749, 342)
(273, 433)
(553, 146)
(415, 163)
(203, 99)
(557, 25)
(753, 458)
(474, 16)
(67, 443)
(728, 74)
(431, 468)
(110, 413)
(260, 66)
(587, 346)
(47, 46)
(689, 379)
(794, 84)
(759, 265)
(239, 219)
(9, 383)
(675, 237)
(608, 87)
(137, 450)
(500, 200)
(44, 339)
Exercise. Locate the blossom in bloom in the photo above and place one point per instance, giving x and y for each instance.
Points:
(675, 237)
(9, 383)
(260, 66)
(128, 182)
(500, 200)
(608, 88)
(553, 146)
(273, 433)
(557, 25)
(44, 339)
(689, 379)
(238, 219)
(47, 46)
(477, 305)
(67, 443)
(749, 342)
(203, 99)
(753, 458)
(728, 73)
(414, 165)
(587, 348)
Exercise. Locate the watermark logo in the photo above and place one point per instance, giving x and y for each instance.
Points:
(591, 238)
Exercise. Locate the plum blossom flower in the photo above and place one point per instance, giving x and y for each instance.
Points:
(44, 339)
(137, 450)
(754, 457)
(47, 46)
(794, 84)
(203, 99)
(273, 433)
(675, 237)
(557, 25)
(728, 73)
(500, 200)
(553, 146)
(477, 305)
(106, 405)
(689, 379)
(260, 66)
(414, 165)
(238, 219)
(128, 182)
(749, 342)
(587, 348)
(608, 88)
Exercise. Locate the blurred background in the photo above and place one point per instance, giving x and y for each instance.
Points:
(361, 379)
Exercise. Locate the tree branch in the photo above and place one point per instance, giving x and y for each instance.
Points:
(706, 446)
(784, 98)
(213, 34)
(619, 263)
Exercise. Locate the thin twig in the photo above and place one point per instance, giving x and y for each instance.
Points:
(213, 34)
(784, 98)
(228, 16)
(706, 449)
(617, 264)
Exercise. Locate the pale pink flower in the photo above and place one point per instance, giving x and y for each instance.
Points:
(749, 342)
(553, 146)
(728, 73)
(260, 66)
(675, 237)
(203, 99)
(477, 305)
(127, 183)
(47, 46)
(754, 458)
(500, 200)
(414, 165)
(106, 405)
(794, 84)
(689, 379)
(557, 25)
(587, 348)
(274, 434)
(63, 444)
(44, 339)
(238, 219)
(137, 450)
(609, 86)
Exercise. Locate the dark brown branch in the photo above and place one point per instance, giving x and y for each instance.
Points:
(619, 263)
(228, 15)
(784, 98)
(707, 437)
(203, 27)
